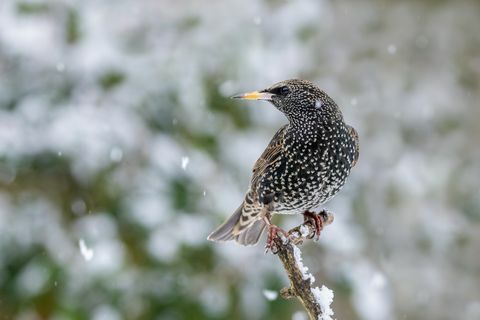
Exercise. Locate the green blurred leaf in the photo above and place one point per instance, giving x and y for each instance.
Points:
(188, 23)
(72, 28)
(199, 258)
(184, 193)
(307, 32)
(27, 8)
(111, 79)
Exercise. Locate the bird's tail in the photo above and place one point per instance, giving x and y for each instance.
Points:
(237, 228)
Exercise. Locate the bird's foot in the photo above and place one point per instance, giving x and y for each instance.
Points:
(317, 219)
(273, 232)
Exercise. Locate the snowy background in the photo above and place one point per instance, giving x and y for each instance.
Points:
(120, 151)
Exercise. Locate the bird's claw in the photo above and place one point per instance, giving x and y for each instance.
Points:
(317, 220)
(273, 232)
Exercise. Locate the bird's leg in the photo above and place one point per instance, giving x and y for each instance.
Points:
(316, 219)
(272, 233)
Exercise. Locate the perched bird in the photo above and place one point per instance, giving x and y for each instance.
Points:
(306, 163)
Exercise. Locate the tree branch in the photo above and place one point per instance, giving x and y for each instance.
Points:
(316, 301)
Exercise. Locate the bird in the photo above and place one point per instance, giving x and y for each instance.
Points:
(305, 164)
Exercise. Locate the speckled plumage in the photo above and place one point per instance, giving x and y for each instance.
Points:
(305, 164)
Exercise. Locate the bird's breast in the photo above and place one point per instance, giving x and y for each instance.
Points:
(314, 169)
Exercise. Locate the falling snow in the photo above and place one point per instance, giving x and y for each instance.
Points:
(270, 294)
(185, 161)
(86, 252)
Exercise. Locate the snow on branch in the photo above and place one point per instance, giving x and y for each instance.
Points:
(315, 300)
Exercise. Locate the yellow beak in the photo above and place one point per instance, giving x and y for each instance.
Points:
(255, 95)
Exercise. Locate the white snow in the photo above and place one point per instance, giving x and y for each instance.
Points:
(270, 294)
(324, 297)
(298, 258)
(304, 231)
(86, 252)
(185, 161)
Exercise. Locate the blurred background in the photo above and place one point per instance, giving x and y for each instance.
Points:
(120, 151)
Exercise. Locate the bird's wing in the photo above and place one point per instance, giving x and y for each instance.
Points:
(354, 136)
(245, 225)
(269, 156)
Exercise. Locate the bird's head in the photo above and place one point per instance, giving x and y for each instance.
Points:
(296, 99)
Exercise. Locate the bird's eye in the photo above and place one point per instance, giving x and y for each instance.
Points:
(280, 91)
(284, 91)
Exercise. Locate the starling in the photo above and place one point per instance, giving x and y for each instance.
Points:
(306, 163)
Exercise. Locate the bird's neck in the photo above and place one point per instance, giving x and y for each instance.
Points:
(307, 128)
(304, 129)
(301, 120)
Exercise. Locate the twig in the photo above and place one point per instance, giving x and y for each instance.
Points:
(301, 280)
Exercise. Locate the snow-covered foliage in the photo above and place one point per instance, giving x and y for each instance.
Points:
(116, 128)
